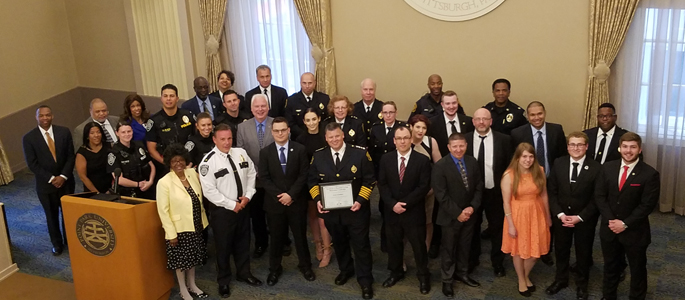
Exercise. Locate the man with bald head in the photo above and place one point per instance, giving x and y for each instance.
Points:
(368, 110)
(482, 144)
(203, 101)
(429, 104)
(98, 113)
(299, 102)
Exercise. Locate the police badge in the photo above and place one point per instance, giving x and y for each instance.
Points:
(351, 132)
(354, 169)
(142, 153)
(110, 159)
(148, 125)
(510, 117)
(185, 119)
(380, 115)
(320, 105)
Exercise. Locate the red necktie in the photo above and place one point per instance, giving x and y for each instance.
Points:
(402, 169)
(623, 178)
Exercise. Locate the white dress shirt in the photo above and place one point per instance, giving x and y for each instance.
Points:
(222, 191)
(448, 125)
(631, 166)
(340, 152)
(580, 162)
(386, 127)
(604, 151)
(268, 93)
(368, 107)
(489, 157)
(107, 126)
(406, 160)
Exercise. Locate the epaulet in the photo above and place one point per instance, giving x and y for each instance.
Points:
(359, 147)
(353, 117)
(378, 123)
(208, 156)
(317, 150)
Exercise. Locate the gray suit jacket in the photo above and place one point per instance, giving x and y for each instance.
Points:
(78, 131)
(247, 139)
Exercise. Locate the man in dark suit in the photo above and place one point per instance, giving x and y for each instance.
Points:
(449, 122)
(368, 109)
(404, 181)
(626, 193)
(571, 188)
(49, 154)
(98, 113)
(299, 102)
(493, 151)
(603, 143)
(283, 174)
(203, 102)
(458, 187)
(349, 228)
(276, 95)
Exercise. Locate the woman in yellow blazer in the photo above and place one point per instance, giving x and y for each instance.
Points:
(183, 218)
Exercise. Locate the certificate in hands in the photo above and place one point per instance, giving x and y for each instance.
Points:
(336, 195)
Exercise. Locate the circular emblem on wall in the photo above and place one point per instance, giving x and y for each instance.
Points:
(454, 10)
(95, 234)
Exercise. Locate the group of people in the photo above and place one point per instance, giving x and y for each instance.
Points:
(258, 164)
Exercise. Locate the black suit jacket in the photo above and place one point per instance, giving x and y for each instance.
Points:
(632, 204)
(380, 142)
(577, 198)
(353, 129)
(370, 118)
(279, 98)
(613, 153)
(412, 190)
(242, 107)
(450, 191)
(555, 142)
(438, 130)
(40, 160)
(297, 107)
(502, 153)
(293, 182)
(192, 106)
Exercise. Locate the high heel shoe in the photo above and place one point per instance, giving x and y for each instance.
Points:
(326, 257)
(319, 249)
(200, 295)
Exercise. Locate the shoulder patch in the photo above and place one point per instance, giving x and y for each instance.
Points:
(209, 155)
(204, 169)
(189, 146)
(110, 159)
(414, 109)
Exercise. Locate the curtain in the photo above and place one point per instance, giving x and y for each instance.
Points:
(267, 32)
(609, 22)
(649, 92)
(212, 16)
(316, 18)
(6, 175)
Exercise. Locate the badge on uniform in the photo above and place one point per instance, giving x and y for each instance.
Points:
(320, 105)
(204, 169)
(185, 119)
(142, 153)
(189, 146)
(111, 158)
(380, 115)
(510, 117)
(354, 169)
(148, 125)
(351, 132)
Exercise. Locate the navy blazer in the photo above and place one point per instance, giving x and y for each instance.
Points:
(450, 191)
(40, 160)
(192, 106)
(275, 182)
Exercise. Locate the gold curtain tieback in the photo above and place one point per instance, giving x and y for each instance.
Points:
(212, 45)
(601, 71)
(318, 54)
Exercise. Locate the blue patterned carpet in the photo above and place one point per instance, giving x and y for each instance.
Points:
(666, 263)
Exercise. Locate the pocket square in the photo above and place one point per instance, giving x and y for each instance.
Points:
(634, 184)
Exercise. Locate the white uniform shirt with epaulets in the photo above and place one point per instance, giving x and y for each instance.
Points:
(218, 180)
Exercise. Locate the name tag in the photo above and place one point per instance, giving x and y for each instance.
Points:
(244, 165)
(220, 173)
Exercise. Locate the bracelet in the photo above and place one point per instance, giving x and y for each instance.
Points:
(506, 215)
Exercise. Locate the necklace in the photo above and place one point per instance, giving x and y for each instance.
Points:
(184, 179)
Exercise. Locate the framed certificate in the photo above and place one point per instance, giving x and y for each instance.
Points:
(336, 195)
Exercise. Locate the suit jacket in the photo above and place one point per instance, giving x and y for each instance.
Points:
(577, 198)
(555, 142)
(450, 191)
(40, 160)
(370, 118)
(77, 136)
(298, 105)
(438, 130)
(247, 139)
(412, 190)
(502, 153)
(279, 99)
(192, 106)
(632, 204)
(244, 107)
(293, 182)
(613, 153)
(174, 205)
(380, 142)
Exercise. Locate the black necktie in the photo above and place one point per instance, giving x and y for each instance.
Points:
(540, 151)
(389, 129)
(481, 155)
(268, 99)
(454, 128)
(108, 137)
(238, 183)
(337, 159)
(341, 125)
(368, 109)
(309, 99)
(204, 106)
(600, 151)
(574, 173)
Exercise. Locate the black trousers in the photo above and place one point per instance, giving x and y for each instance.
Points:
(613, 252)
(494, 212)
(583, 236)
(416, 235)
(258, 218)
(231, 237)
(437, 229)
(296, 219)
(455, 248)
(352, 233)
(51, 206)
(384, 235)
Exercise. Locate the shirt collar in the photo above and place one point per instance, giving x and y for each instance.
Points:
(391, 125)
(406, 157)
(631, 165)
(581, 161)
(106, 122)
(43, 131)
(478, 135)
(262, 122)
(370, 105)
(286, 145)
(447, 118)
(341, 151)
(262, 88)
(543, 129)
(609, 133)
(311, 96)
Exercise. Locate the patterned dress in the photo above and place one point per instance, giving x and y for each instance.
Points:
(191, 249)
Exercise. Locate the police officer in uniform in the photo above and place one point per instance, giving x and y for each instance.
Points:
(228, 179)
(170, 125)
(506, 115)
(348, 227)
(298, 103)
(137, 170)
(340, 110)
(233, 114)
(429, 104)
(200, 143)
(368, 109)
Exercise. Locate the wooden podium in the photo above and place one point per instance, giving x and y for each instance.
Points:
(117, 249)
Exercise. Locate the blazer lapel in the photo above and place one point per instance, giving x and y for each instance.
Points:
(289, 157)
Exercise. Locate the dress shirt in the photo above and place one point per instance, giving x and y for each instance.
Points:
(605, 151)
(210, 110)
(463, 163)
(222, 191)
(278, 149)
(42, 132)
(630, 169)
(311, 97)
(368, 107)
(580, 165)
(341, 122)
(399, 160)
(263, 122)
(340, 152)
(107, 126)
(489, 157)
(386, 127)
(544, 139)
(448, 125)
(268, 93)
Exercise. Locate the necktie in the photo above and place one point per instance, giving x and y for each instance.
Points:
(574, 173)
(266, 93)
(600, 151)
(388, 130)
(341, 125)
(462, 171)
(540, 151)
(238, 182)
(337, 159)
(204, 106)
(481, 155)
(623, 177)
(51, 145)
(454, 128)
(282, 159)
(260, 136)
(368, 109)
(403, 167)
(108, 137)
(309, 99)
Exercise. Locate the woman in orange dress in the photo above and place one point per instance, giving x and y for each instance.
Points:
(527, 218)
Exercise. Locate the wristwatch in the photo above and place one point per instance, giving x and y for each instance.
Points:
(624, 225)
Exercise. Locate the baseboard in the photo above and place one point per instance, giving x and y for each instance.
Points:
(4, 274)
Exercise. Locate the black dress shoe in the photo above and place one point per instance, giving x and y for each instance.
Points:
(468, 281)
(251, 280)
(547, 259)
(342, 278)
(287, 250)
(424, 287)
(259, 251)
(392, 280)
(308, 274)
(272, 279)
(525, 293)
(556, 287)
(499, 271)
(532, 288)
(56, 251)
(200, 295)
(582, 294)
(224, 291)
(433, 251)
(447, 290)
(367, 291)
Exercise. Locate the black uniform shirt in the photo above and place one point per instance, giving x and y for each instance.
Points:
(167, 130)
(505, 119)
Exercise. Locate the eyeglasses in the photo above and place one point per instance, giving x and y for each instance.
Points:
(482, 119)
(576, 145)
